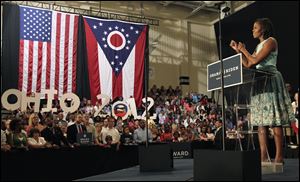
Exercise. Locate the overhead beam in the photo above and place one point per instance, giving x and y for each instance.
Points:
(192, 5)
(88, 12)
(196, 10)
(166, 3)
(182, 3)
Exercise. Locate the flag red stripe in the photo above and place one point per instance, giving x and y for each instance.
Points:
(139, 67)
(30, 65)
(74, 65)
(92, 55)
(21, 60)
(39, 71)
(117, 85)
(57, 51)
(67, 27)
(48, 65)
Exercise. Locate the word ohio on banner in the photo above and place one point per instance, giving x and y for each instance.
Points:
(119, 109)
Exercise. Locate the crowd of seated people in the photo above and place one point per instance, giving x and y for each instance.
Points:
(178, 118)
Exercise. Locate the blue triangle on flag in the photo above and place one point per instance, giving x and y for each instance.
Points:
(116, 39)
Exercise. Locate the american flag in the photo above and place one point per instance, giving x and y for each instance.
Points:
(115, 58)
(48, 50)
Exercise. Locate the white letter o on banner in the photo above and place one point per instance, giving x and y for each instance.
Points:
(8, 105)
(74, 104)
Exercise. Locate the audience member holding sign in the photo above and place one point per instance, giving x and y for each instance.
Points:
(75, 129)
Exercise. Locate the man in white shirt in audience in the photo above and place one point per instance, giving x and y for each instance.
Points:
(112, 131)
(140, 134)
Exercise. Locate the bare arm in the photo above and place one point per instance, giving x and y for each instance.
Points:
(250, 60)
(245, 61)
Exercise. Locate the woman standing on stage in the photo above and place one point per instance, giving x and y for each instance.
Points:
(270, 101)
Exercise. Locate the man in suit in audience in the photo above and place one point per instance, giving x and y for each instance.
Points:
(218, 134)
(76, 128)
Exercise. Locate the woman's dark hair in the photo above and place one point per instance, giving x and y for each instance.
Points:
(15, 125)
(167, 128)
(32, 131)
(267, 26)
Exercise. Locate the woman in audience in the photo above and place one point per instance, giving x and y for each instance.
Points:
(210, 135)
(155, 133)
(203, 136)
(176, 137)
(17, 139)
(35, 141)
(33, 123)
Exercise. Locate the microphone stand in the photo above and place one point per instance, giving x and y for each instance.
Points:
(225, 10)
(146, 66)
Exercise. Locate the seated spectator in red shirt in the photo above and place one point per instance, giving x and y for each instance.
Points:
(166, 136)
(189, 107)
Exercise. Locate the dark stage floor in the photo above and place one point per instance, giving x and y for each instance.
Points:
(183, 171)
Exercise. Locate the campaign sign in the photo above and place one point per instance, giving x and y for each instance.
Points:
(84, 138)
(233, 73)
